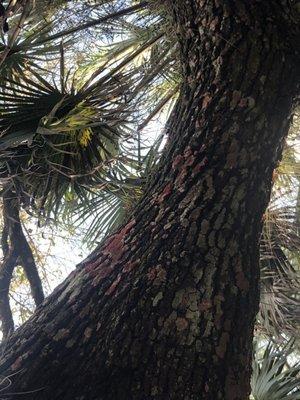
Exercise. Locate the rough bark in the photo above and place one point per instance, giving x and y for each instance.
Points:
(165, 308)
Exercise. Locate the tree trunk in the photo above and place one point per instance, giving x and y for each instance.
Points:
(16, 250)
(165, 308)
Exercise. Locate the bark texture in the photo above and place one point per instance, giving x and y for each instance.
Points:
(165, 308)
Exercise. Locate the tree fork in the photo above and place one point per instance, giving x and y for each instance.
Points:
(165, 308)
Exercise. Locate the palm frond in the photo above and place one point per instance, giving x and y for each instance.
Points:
(276, 376)
(27, 51)
(105, 207)
(53, 137)
(280, 245)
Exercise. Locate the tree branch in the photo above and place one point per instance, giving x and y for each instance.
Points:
(6, 270)
(16, 250)
(20, 244)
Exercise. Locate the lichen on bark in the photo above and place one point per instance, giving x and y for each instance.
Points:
(166, 307)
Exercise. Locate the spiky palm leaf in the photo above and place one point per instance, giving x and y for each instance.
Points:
(146, 48)
(43, 126)
(276, 376)
(27, 51)
(280, 274)
(106, 207)
(280, 245)
(54, 137)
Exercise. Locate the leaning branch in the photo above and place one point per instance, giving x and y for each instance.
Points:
(6, 270)
(16, 251)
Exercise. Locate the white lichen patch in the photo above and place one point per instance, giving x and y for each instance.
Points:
(61, 334)
(87, 334)
(157, 299)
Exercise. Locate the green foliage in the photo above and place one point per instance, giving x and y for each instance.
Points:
(276, 373)
(280, 268)
(62, 132)
(55, 138)
(280, 278)
(106, 208)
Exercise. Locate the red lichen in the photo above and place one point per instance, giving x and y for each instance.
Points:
(243, 102)
(177, 161)
(152, 273)
(199, 167)
(113, 286)
(181, 324)
(129, 266)
(206, 100)
(103, 273)
(190, 161)
(181, 177)
(111, 253)
(165, 193)
(205, 305)
(17, 364)
(91, 266)
(274, 175)
(157, 274)
(115, 246)
(187, 152)
(214, 24)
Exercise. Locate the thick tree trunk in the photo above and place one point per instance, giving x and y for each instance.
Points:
(165, 308)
